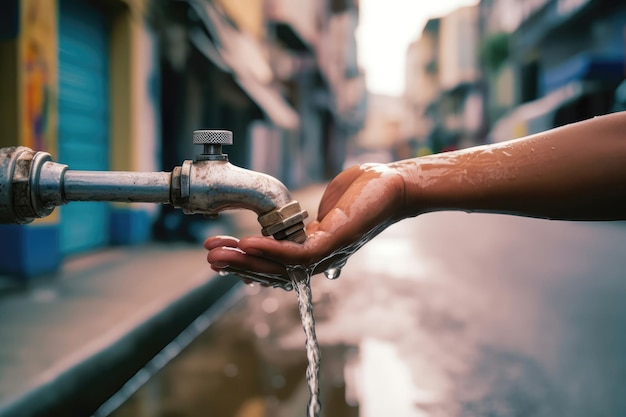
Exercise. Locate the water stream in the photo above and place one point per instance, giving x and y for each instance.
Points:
(301, 279)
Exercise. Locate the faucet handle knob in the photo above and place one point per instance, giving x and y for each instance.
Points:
(212, 137)
(212, 141)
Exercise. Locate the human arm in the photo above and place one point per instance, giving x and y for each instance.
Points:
(576, 172)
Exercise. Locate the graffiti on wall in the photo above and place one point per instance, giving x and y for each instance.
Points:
(38, 62)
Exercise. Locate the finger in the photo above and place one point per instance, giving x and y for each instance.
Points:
(336, 190)
(247, 277)
(220, 241)
(283, 252)
(268, 248)
(224, 257)
(266, 280)
(222, 269)
(311, 227)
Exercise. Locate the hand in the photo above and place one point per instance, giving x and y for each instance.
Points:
(357, 205)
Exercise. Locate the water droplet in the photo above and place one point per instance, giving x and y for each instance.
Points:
(223, 273)
(332, 273)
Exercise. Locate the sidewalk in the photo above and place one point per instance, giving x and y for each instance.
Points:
(72, 341)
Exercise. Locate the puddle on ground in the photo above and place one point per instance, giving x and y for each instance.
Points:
(241, 367)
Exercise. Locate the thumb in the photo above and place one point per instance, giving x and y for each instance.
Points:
(336, 189)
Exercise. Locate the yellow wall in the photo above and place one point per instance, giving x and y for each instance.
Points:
(37, 75)
(29, 82)
(127, 85)
(121, 64)
(247, 14)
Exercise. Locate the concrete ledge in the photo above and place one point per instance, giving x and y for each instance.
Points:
(70, 344)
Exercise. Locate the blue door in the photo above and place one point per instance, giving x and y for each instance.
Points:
(83, 116)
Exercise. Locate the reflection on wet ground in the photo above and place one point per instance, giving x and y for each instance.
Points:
(242, 367)
(452, 316)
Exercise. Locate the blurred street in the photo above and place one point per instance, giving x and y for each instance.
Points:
(447, 314)
(492, 315)
(114, 117)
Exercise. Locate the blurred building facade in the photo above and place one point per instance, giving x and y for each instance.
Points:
(382, 130)
(122, 84)
(508, 68)
(421, 84)
(78, 81)
(443, 96)
(563, 62)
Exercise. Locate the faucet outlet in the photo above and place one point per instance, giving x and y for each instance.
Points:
(286, 222)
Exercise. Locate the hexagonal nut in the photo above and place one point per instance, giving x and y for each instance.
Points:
(281, 214)
(285, 233)
(298, 236)
(287, 223)
(21, 187)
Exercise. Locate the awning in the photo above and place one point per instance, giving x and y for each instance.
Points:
(271, 103)
(538, 115)
(203, 44)
(583, 66)
(535, 27)
(238, 54)
(294, 23)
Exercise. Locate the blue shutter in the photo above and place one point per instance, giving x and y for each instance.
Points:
(83, 116)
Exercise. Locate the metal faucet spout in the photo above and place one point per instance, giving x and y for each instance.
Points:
(212, 184)
(211, 187)
(216, 186)
(32, 185)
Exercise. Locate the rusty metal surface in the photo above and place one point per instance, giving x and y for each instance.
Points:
(15, 164)
(118, 186)
(32, 185)
(7, 161)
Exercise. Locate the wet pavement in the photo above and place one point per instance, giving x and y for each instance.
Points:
(69, 341)
(448, 314)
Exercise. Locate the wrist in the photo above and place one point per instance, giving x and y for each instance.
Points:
(435, 183)
(414, 201)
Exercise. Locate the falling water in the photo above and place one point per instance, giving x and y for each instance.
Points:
(332, 273)
(301, 279)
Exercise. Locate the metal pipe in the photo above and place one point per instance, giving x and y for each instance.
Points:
(117, 186)
(32, 185)
(216, 186)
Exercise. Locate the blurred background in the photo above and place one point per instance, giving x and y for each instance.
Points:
(309, 87)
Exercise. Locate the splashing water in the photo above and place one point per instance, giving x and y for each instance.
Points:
(301, 279)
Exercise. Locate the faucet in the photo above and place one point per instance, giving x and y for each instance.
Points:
(32, 184)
